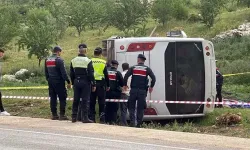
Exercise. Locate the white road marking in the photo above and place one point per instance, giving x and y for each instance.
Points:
(98, 139)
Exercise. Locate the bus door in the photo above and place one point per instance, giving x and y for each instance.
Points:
(121, 58)
(109, 49)
(185, 76)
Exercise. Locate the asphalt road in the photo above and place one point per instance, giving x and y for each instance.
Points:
(39, 134)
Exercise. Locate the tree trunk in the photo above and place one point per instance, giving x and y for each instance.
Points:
(79, 31)
(163, 23)
(92, 26)
(105, 28)
(99, 31)
(39, 62)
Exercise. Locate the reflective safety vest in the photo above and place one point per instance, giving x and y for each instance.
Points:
(80, 62)
(99, 65)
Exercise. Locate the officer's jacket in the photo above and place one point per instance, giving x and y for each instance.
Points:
(81, 68)
(140, 75)
(219, 78)
(115, 80)
(55, 69)
(100, 70)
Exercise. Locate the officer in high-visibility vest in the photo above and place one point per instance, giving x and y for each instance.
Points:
(82, 77)
(102, 85)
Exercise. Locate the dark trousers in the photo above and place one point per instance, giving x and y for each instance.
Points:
(57, 88)
(1, 103)
(81, 91)
(123, 110)
(218, 95)
(112, 107)
(139, 96)
(100, 94)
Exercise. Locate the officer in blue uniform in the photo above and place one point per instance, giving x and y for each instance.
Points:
(219, 83)
(116, 84)
(138, 92)
(82, 77)
(56, 76)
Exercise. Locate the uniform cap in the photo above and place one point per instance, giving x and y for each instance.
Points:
(141, 56)
(57, 49)
(98, 50)
(82, 46)
(114, 62)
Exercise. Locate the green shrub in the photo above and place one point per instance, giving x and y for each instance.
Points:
(180, 12)
(194, 18)
(233, 54)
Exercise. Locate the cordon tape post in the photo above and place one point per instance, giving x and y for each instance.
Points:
(148, 101)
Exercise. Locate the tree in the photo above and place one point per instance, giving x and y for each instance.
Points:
(180, 11)
(9, 25)
(246, 2)
(95, 13)
(59, 13)
(78, 14)
(39, 34)
(108, 10)
(128, 14)
(210, 9)
(162, 10)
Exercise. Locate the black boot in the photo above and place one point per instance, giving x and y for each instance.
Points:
(102, 118)
(63, 117)
(85, 118)
(74, 119)
(54, 117)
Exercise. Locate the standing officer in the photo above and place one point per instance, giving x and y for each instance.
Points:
(82, 76)
(56, 76)
(138, 92)
(102, 81)
(116, 84)
(219, 83)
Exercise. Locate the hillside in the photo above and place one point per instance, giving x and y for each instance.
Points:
(225, 21)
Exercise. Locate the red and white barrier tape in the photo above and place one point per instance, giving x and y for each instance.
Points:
(30, 97)
(148, 101)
